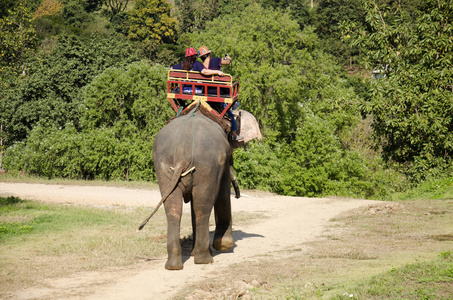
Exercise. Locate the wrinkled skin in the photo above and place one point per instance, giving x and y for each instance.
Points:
(202, 141)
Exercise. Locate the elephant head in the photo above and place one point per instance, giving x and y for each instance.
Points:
(248, 127)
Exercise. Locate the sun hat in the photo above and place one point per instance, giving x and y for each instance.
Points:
(190, 51)
(203, 51)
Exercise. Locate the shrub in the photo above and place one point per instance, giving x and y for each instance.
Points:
(97, 154)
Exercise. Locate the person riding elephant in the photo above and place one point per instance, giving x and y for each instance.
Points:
(212, 63)
(215, 63)
(191, 63)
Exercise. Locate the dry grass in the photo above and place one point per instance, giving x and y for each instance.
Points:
(30, 258)
(91, 239)
(358, 245)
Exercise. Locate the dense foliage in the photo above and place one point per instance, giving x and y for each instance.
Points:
(413, 105)
(17, 35)
(83, 88)
(120, 114)
(298, 95)
(161, 29)
(49, 94)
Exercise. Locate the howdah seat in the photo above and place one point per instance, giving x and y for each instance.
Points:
(185, 89)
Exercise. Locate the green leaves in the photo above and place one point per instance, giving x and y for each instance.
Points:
(302, 103)
(269, 54)
(150, 21)
(413, 105)
(95, 154)
(17, 35)
(135, 95)
(50, 91)
(122, 112)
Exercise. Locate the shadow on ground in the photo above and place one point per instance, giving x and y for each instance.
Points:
(187, 243)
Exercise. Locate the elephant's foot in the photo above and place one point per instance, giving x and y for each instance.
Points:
(223, 243)
(174, 263)
(203, 258)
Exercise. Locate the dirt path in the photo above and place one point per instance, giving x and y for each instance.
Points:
(290, 222)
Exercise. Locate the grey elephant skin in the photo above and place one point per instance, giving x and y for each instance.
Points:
(188, 141)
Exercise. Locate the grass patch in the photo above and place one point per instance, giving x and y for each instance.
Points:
(441, 189)
(41, 241)
(41, 218)
(424, 280)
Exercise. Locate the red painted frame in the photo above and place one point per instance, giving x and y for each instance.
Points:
(178, 78)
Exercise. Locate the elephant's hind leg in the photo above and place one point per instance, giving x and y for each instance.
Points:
(202, 251)
(173, 209)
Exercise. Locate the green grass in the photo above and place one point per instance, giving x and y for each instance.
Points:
(40, 240)
(19, 217)
(431, 189)
(424, 280)
(15, 224)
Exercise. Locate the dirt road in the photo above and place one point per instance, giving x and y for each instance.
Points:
(290, 222)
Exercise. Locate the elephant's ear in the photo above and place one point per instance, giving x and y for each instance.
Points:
(248, 127)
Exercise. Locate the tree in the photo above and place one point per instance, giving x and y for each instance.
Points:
(329, 15)
(150, 21)
(116, 6)
(193, 15)
(17, 35)
(87, 5)
(300, 10)
(50, 92)
(122, 110)
(277, 64)
(131, 97)
(6, 6)
(74, 14)
(300, 97)
(48, 8)
(413, 105)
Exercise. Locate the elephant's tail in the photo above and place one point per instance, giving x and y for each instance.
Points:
(177, 174)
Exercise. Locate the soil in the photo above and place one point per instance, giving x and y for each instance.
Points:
(288, 223)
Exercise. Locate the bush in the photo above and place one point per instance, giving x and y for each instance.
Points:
(49, 94)
(123, 110)
(258, 167)
(75, 14)
(97, 154)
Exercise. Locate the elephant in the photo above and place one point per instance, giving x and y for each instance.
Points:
(192, 157)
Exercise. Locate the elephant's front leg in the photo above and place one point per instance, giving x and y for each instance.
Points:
(223, 237)
(173, 209)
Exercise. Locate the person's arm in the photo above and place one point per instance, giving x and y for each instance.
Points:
(212, 72)
(197, 66)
